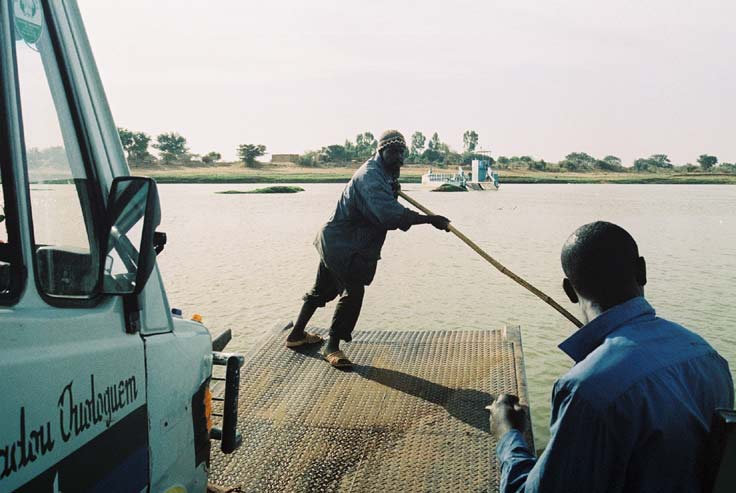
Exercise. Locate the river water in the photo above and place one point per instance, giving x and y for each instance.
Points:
(244, 261)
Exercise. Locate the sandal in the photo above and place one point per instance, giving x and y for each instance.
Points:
(338, 360)
(306, 339)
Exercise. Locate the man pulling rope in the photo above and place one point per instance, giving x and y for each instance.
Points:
(350, 244)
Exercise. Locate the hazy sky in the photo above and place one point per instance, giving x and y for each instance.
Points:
(544, 78)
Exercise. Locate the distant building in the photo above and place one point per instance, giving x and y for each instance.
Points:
(284, 158)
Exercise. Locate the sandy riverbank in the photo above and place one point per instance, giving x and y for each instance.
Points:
(266, 173)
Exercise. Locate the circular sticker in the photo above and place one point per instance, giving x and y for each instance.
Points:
(28, 20)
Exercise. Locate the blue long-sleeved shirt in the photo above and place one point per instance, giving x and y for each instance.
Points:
(632, 415)
(350, 243)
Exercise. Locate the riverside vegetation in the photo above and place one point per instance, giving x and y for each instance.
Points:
(336, 163)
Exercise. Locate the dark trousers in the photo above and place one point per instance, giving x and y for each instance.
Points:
(326, 288)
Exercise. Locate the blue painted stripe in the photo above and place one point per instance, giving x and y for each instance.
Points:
(129, 476)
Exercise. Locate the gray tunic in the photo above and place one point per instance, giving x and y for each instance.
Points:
(350, 243)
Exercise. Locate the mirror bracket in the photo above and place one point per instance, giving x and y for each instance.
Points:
(132, 311)
(159, 240)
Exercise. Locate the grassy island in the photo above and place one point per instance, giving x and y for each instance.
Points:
(274, 189)
(448, 187)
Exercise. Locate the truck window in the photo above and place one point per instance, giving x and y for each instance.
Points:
(65, 241)
(6, 247)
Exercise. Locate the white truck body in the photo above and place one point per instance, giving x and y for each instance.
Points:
(100, 388)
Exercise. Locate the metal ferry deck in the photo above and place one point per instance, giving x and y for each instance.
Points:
(409, 416)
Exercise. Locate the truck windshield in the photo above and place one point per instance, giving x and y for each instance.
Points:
(60, 190)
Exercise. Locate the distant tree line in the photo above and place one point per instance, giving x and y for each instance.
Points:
(420, 150)
(576, 161)
(583, 162)
(437, 153)
(172, 149)
(50, 157)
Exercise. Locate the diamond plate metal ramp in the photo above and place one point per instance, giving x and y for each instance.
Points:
(409, 417)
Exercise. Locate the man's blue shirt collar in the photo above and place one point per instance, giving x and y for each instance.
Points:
(591, 335)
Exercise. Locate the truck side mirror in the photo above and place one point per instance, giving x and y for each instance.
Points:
(133, 212)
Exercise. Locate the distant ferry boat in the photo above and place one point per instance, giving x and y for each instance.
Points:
(482, 177)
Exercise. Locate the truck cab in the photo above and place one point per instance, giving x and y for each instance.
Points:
(102, 389)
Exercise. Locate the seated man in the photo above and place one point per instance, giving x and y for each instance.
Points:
(633, 413)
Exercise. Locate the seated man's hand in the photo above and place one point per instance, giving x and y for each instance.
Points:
(506, 415)
(440, 222)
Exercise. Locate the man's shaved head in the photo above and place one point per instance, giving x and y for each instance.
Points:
(602, 262)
